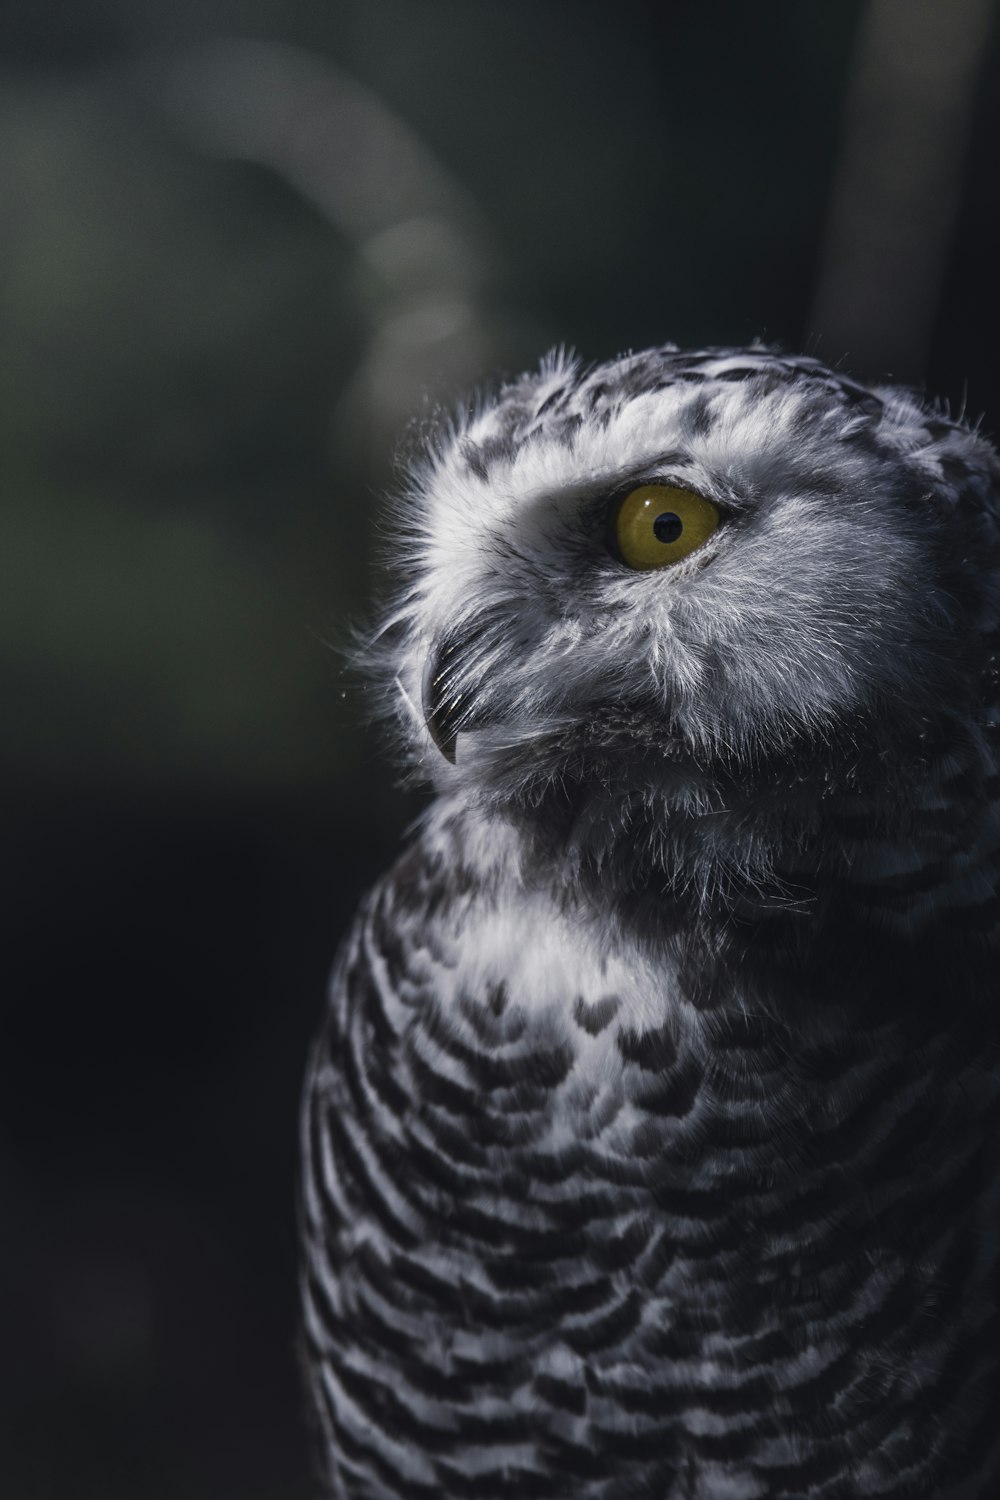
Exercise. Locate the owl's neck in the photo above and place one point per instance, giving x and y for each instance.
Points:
(817, 895)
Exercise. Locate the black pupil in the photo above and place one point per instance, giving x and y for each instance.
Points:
(668, 527)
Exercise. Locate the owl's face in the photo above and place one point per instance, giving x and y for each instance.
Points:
(680, 587)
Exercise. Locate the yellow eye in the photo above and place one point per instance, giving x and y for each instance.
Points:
(658, 524)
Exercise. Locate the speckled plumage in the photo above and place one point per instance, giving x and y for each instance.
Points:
(652, 1136)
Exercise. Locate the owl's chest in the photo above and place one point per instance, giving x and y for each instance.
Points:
(557, 1239)
(559, 1094)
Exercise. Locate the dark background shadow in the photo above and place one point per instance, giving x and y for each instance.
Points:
(240, 246)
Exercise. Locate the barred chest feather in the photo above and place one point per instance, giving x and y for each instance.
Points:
(569, 1235)
(652, 1135)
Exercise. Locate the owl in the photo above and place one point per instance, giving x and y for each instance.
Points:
(652, 1134)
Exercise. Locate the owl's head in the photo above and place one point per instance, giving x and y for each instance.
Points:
(677, 614)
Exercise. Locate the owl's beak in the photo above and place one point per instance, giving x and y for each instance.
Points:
(443, 701)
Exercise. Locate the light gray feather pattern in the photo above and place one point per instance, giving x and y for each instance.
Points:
(651, 1134)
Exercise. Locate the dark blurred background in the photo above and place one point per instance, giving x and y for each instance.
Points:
(241, 246)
